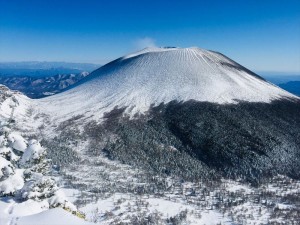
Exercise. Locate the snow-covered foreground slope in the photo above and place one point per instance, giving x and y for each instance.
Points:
(32, 212)
(160, 75)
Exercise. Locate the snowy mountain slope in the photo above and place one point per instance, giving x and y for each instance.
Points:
(160, 75)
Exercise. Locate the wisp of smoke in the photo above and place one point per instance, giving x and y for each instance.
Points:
(144, 43)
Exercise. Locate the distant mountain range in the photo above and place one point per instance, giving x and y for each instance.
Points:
(279, 78)
(291, 86)
(40, 69)
(40, 79)
(290, 83)
(41, 86)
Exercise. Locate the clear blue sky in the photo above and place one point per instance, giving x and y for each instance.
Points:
(261, 35)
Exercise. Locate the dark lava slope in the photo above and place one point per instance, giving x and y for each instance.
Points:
(196, 140)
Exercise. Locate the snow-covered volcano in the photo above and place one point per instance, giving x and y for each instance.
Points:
(160, 75)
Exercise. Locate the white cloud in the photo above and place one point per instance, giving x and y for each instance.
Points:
(144, 43)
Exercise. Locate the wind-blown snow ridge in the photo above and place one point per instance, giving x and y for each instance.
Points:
(160, 75)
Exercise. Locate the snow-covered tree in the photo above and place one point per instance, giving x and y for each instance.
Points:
(6, 169)
(24, 171)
